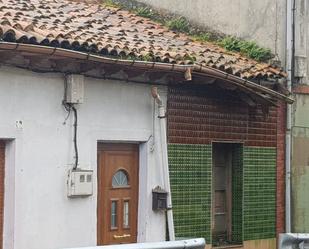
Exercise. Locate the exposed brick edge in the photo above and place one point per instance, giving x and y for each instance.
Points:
(301, 89)
(280, 198)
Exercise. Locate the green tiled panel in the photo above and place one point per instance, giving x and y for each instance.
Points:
(253, 186)
(259, 198)
(190, 176)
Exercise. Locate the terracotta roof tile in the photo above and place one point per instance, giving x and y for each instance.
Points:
(114, 32)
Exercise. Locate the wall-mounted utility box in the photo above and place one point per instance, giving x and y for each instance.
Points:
(301, 66)
(80, 183)
(74, 89)
(159, 199)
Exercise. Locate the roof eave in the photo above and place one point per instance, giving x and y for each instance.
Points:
(49, 52)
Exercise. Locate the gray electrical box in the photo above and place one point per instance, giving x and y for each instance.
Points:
(75, 89)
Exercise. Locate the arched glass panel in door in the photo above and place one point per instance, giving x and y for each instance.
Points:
(120, 179)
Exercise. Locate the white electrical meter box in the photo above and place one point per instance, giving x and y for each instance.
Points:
(75, 89)
(80, 183)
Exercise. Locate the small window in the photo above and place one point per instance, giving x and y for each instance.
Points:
(120, 179)
(126, 214)
(114, 215)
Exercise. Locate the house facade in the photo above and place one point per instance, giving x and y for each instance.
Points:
(39, 153)
(78, 119)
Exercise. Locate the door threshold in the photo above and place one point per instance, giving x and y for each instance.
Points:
(229, 247)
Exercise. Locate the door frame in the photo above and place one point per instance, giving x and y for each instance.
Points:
(119, 146)
(235, 143)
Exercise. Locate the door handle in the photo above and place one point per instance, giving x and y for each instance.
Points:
(122, 236)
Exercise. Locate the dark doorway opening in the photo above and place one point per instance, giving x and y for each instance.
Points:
(227, 194)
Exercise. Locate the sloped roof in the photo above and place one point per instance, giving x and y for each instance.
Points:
(114, 32)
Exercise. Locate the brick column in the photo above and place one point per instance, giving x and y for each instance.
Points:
(280, 203)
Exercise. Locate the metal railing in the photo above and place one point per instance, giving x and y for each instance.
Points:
(294, 241)
(181, 244)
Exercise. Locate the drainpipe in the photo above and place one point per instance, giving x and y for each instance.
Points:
(290, 40)
(165, 170)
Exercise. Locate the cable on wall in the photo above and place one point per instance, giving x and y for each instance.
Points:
(75, 137)
(69, 107)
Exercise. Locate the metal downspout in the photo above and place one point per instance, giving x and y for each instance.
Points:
(289, 66)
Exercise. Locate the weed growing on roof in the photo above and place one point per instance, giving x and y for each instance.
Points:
(252, 50)
(230, 43)
(202, 37)
(247, 48)
(111, 3)
(147, 57)
(190, 58)
(144, 12)
(178, 24)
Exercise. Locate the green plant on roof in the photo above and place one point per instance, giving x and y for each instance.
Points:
(230, 43)
(191, 58)
(252, 50)
(178, 24)
(144, 12)
(202, 37)
(111, 3)
(247, 48)
(146, 57)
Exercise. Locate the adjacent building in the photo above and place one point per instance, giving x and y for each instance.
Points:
(270, 24)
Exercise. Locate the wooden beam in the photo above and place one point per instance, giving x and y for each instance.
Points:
(67, 66)
(41, 64)
(14, 58)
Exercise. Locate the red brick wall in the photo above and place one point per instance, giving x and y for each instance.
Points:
(200, 116)
(2, 158)
(281, 128)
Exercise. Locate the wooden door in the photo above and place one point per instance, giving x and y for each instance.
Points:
(117, 193)
(222, 205)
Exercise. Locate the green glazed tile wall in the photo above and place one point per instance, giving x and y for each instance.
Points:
(190, 175)
(259, 193)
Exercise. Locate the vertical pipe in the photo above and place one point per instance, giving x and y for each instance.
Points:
(164, 156)
(289, 63)
(170, 220)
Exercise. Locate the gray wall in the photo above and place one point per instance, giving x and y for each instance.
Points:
(262, 21)
(300, 130)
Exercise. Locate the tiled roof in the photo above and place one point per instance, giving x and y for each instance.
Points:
(108, 31)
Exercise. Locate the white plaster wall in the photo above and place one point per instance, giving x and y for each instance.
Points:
(42, 151)
(262, 21)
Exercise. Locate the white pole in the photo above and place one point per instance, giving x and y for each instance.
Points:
(170, 220)
(164, 156)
